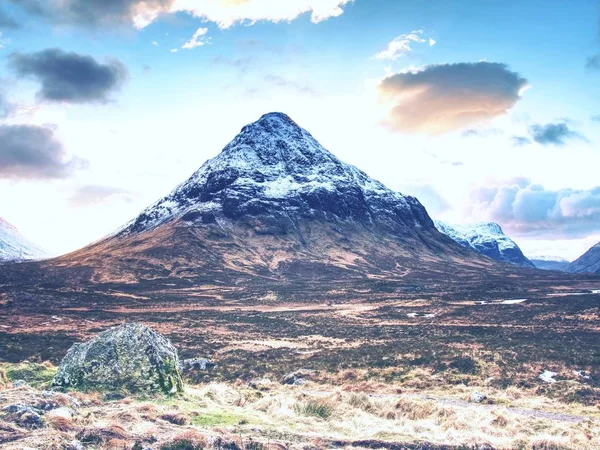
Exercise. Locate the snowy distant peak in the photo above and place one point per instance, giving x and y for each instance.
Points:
(549, 258)
(275, 168)
(546, 262)
(486, 238)
(14, 247)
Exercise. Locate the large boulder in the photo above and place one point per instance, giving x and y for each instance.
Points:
(131, 357)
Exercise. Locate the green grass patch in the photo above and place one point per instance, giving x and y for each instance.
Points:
(36, 375)
(213, 419)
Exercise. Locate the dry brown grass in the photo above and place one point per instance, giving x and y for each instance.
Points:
(176, 418)
(60, 423)
(188, 440)
(101, 435)
(88, 398)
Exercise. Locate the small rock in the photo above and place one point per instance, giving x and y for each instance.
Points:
(19, 408)
(260, 385)
(298, 377)
(64, 412)
(196, 364)
(25, 416)
(478, 397)
(19, 383)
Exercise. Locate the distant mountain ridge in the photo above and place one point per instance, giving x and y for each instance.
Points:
(488, 239)
(15, 247)
(546, 262)
(589, 262)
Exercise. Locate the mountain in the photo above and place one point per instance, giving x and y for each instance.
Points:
(275, 204)
(545, 262)
(589, 262)
(486, 238)
(14, 247)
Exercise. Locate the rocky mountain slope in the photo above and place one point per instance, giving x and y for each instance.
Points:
(550, 262)
(14, 247)
(487, 239)
(589, 262)
(275, 204)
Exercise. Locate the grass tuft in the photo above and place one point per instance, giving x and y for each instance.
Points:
(321, 409)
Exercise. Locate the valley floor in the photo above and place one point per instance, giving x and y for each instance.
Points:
(387, 368)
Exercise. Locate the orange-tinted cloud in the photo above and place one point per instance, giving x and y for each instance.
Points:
(447, 97)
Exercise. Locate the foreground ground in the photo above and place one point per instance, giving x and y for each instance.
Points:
(419, 413)
(367, 341)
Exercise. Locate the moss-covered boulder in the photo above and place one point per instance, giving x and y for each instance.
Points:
(129, 357)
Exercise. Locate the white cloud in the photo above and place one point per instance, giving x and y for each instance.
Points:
(173, 50)
(155, 43)
(197, 40)
(402, 45)
(432, 42)
(226, 13)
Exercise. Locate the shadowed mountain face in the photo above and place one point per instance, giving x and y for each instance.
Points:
(274, 204)
(589, 262)
(487, 239)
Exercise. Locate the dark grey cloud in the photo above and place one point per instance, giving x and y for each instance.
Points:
(96, 13)
(7, 22)
(446, 97)
(96, 194)
(70, 77)
(593, 62)
(33, 152)
(553, 133)
(524, 208)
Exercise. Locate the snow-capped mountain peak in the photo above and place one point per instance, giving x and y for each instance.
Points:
(274, 167)
(486, 238)
(14, 247)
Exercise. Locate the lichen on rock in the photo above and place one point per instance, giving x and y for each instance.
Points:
(129, 357)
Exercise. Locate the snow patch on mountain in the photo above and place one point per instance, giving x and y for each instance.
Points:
(14, 247)
(486, 238)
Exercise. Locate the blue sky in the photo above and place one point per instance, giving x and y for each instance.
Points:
(485, 113)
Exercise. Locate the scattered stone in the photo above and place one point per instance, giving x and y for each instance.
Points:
(298, 377)
(57, 399)
(24, 416)
(19, 383)
(478, 397)
(196, 364)
(131, 357)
